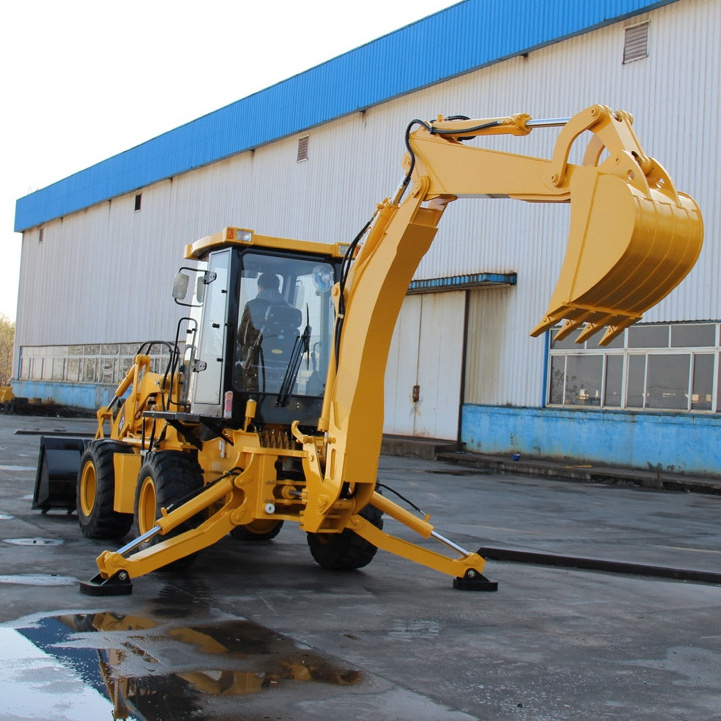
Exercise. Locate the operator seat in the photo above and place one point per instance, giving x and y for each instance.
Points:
(280, 331)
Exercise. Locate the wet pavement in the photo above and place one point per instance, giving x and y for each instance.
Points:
(258, 631)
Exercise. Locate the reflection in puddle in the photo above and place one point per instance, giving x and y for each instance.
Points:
(109, 666)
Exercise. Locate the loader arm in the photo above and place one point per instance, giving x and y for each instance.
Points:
(633, 238)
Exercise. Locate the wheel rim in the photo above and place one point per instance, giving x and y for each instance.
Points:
(324, 538)
(147, 502)
(88, 488)
(260, 526)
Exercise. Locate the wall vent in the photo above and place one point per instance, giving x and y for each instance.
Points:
(635, 46)
(303, 148)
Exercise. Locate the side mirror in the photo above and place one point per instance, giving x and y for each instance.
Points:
(200, 290)
(182, 281)
(206, 279)
(180, 286)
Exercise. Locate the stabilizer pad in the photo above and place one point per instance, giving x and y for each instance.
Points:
(118, 584)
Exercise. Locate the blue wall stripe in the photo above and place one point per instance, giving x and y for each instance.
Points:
(88, 396)
(462, 38)
(665, 442)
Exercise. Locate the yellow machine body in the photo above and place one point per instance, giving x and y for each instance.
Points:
(633, 238)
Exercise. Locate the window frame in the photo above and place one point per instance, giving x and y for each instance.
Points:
(626, 353)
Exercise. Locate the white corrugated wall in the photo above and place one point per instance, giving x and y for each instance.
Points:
(118, 264)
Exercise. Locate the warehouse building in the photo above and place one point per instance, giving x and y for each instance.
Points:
(312, 156)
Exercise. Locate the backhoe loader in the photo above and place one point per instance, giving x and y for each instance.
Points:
(270, 408)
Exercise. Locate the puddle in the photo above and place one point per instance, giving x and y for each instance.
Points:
(33, 541)
(5, 517)
(17, 468)
(112, 666)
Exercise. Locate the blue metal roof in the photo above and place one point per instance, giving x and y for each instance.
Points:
(457, 40)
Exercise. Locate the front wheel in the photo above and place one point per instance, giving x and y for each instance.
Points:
(95, 493)
(345, 551)
(165, 478)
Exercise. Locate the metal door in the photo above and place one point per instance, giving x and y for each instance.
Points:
(425, 367)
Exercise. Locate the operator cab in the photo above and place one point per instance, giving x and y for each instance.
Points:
(261, 328)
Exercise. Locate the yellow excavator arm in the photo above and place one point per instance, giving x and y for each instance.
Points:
(633, 238)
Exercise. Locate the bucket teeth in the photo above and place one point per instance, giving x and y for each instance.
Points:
(615, 330)
(567, 328)
(616, 324)
(548, 322)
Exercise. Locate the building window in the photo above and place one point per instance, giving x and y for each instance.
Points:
(672, 367)
(92, 363)
(138, 199)
(303, 148)
(635, 46)
(41, 235)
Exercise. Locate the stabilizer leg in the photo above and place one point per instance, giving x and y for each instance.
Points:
(466, 570)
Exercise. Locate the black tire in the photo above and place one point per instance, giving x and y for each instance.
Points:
(258, 530)
(345, 551)
(164, 478)
(95, 492)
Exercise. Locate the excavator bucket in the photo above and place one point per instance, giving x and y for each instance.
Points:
(633, 238)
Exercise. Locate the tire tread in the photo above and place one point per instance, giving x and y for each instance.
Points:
(345, 551)
(103, 522)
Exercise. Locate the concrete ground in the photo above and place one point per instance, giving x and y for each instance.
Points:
(258, 631)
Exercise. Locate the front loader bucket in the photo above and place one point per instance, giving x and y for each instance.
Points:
(58, 466)
(630, 245)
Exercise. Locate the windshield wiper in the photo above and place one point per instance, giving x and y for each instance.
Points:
(301, 345)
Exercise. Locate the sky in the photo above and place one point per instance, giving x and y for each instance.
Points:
(83, 80)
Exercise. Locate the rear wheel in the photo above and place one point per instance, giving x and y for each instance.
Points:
(258, 530)
(96, 492)
(165, 478)
(345, 551)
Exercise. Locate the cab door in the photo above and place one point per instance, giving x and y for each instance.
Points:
(209, 366)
